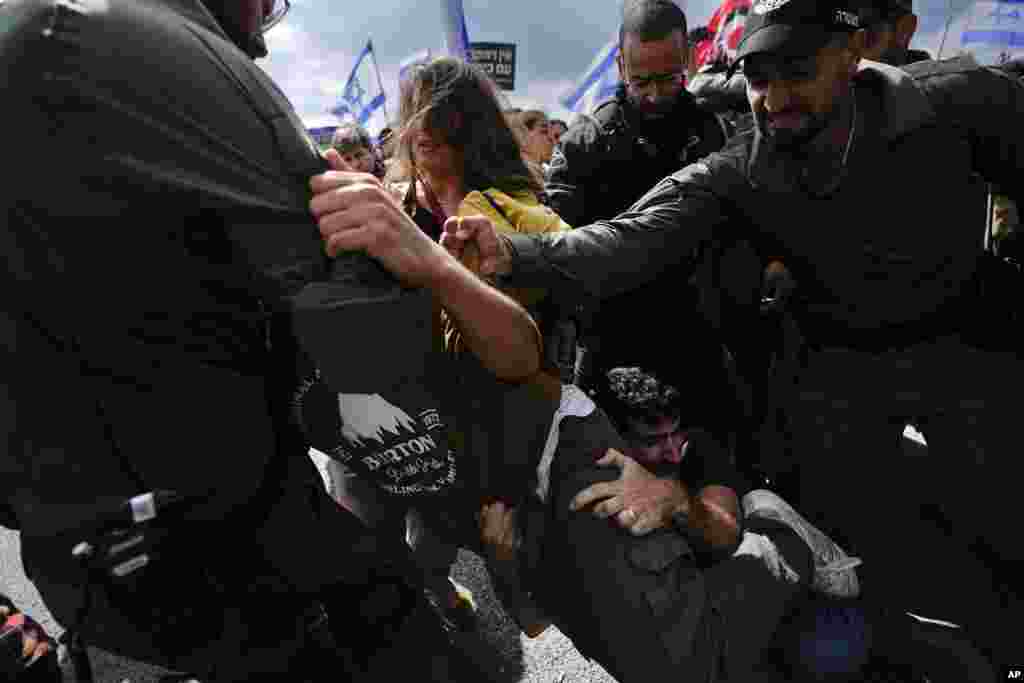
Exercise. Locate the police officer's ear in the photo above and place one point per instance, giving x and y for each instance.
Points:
(854, 50)
(905, 28)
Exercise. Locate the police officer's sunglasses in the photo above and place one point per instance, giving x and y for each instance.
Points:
(280, 9)
(656, 81)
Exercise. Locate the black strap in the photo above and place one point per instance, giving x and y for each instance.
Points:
(497, 207)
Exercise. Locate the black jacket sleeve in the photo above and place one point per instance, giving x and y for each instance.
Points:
(719, 91)
(572, 166)
(986, 104)
(619, 255)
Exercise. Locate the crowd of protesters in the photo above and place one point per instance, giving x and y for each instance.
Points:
(663, 356)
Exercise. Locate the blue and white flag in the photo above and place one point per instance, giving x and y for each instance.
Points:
(406, 65)
(456, 38)
(597, 83)
(363, 99)
(995, 24)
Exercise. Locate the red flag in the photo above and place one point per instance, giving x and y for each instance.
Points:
(726, 28)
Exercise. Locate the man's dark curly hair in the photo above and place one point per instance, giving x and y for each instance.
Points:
(633, 393)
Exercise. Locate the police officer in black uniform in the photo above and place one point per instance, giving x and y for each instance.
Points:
(608, 160)
(649, 130)
(886, 251)
(165, 281)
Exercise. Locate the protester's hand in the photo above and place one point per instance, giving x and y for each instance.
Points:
(356, 213)
(639, 501)
(34, 643)
(499, 533)
(501, 540)
(477, 233)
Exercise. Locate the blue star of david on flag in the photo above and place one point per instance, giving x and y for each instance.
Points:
(354, 93)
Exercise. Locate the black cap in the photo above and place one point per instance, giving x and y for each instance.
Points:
(795, 28)
(874, 11)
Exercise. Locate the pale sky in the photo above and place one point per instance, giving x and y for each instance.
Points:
(313, 51)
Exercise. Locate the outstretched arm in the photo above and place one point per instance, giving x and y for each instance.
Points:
(608, 257)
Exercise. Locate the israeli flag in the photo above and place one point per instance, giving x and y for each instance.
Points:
(998, 25)
(363, 99)
(598, 82)
(456, 38)
(406, 65)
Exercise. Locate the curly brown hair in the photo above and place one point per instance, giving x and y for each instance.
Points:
(637, 394)
(461, 104)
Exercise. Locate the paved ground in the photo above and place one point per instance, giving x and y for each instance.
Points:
(501, 650)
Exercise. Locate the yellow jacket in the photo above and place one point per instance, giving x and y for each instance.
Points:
(521, 212)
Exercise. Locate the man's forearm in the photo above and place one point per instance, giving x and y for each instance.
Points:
(712, 516)
(619, 255)
(495, 328)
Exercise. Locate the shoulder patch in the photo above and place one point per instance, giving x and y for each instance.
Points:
(766, 6)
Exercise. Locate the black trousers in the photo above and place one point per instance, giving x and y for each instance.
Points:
(640, 606)
(848, 410)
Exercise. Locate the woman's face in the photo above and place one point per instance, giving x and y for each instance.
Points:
(433, 154)
(538, 141)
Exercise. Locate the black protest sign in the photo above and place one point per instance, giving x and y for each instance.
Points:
(498, 60)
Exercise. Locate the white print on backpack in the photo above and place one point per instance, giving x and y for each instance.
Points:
(385, 437)
(369, 416)
(396, 454)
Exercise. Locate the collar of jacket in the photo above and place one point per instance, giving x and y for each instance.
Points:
(904, 105)
(193, 10)
(197, 12)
